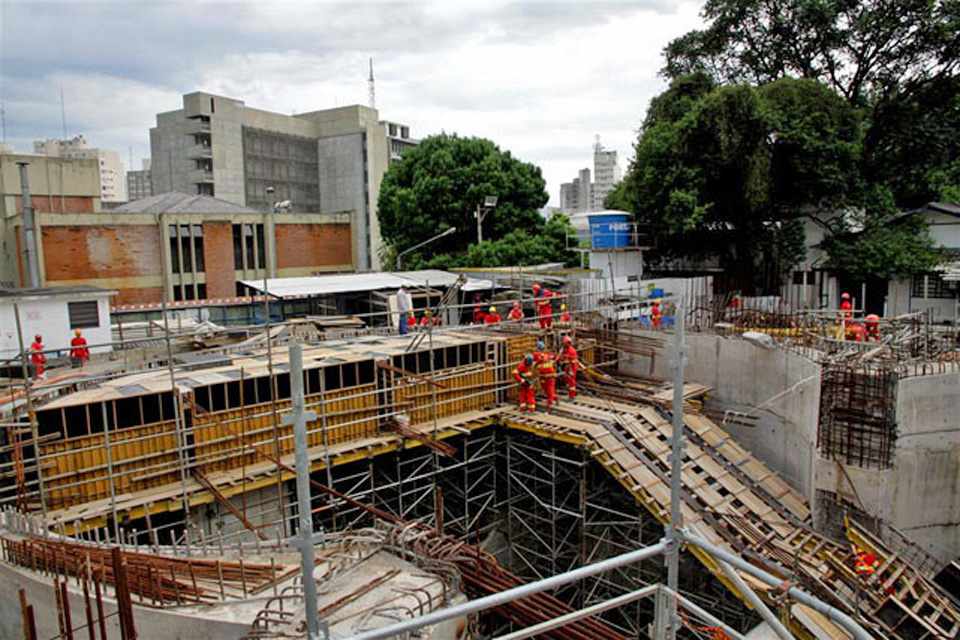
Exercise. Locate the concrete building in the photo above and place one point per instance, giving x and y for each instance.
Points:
(54, 313)
(322, 161)
(197, 246)
(113, 181)
(606, 175)
(576, 196)
(58, 186)
(139, 183)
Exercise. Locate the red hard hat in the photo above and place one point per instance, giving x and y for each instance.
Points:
(567, 340)
(536, 285)
(38, 338)
(873, 318)
(845, 295)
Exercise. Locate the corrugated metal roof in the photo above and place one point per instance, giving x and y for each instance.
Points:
(176, 202)
(302, 287)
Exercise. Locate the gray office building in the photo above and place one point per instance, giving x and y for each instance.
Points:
(139, 183)
(325, 161)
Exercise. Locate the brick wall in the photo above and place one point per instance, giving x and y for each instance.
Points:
(313, 245)
(137, 295)
(55, 204)
(75, 253)
(218, 259)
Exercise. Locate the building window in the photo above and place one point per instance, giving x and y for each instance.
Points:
(932, 285)
(84, 315)
(249, 246)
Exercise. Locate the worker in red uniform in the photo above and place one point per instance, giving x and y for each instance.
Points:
(872, 326)
(865, 563)
(656, 314)
(570, 363)
(411, 320)
(493, 317)
(846, 307)
(565, 316)
(37, 357)
(516, 312)
(479, 314)
(427, 319)
(855, 332)
(536, 291)
(79, 353)
(547, 370)
(523, 374)
(545, 309)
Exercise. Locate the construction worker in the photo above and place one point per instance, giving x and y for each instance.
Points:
(405, 308)
(865, 563)
(523, 374)
(427, 319)
(479, 314)
(656, 314)
(547, 370)
(37, 357)
(493, 317)
(846, 307)
(565, 315)
(411, 321)
(536, 290)
(872, 326)
(855, 332)
(545, 309)
(79, 353)
(569, 362)
(516, 312)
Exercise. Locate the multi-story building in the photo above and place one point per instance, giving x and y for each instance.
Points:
(197, 247)
(583, 195)
(606, 175)
(577, 196)
(321, 161)
(139, 183)
(58, 186)
(113, 179)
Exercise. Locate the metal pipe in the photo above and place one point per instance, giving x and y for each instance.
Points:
(510, 595)
(303, 492)
(560, 621)
(755, 601)
(702, 613)
(813, 602)
(676, 475)
(29, 229)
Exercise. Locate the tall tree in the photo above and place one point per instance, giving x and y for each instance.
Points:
(733, 172)
(860, 48)
(438, 185)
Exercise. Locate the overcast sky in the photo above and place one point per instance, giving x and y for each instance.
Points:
(539, 78)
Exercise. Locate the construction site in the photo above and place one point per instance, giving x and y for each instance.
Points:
(740, 472)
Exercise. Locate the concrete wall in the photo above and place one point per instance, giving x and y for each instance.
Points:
(48, 316)
(155, 624)
(341, 169)
(742, 377)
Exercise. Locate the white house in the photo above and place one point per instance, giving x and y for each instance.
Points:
(938, 291)
(54, 313)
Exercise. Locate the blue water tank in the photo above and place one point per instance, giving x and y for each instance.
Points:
(610, 230)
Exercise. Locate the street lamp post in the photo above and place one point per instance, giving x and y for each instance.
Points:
(489, 203)
(424, 243)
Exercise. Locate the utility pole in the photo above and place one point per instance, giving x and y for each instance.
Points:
(489, 203)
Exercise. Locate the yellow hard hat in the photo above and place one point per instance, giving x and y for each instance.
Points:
(493, 309)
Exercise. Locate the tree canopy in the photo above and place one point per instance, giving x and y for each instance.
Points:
(860, 48)
(730, 170)
(438, 185)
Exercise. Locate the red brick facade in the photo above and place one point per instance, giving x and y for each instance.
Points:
(218, 259)
(85, 252)
(43, 203)
(313, 245)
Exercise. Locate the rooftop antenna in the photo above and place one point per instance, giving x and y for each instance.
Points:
(596, 143)
(63, 113)
(3, 124)
(372, 94)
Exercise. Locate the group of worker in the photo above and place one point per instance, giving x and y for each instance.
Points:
(867, 331)
(542, 365)
(542, 302)
(427, 319)
(79, 353)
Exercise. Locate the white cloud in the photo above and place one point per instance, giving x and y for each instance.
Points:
(538, 78)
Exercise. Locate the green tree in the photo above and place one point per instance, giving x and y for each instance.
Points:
(438, 185)
(860, 48)
(733, 173)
